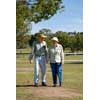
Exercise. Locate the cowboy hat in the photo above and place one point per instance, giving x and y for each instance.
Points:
(55, 39)
(42, 35)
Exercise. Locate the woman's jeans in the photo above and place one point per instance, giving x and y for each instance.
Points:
(56, 71)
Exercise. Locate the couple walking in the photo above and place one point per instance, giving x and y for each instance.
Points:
(42, 54)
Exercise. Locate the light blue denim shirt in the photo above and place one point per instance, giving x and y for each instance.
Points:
(39, 49)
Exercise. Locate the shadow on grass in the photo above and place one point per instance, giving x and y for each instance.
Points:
(32, 86)
(24, 85)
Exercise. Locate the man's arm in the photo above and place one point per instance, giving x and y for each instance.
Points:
(31, 54)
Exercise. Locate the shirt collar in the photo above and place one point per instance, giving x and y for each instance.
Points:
(56, 45)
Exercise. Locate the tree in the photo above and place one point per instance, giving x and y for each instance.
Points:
(76, 42)
(36, 11)
(63, 38)
(45, 31)
(22, 41)
(72, 43)
(33, 38)
(79, 41)
(22, 17)
(28, 11)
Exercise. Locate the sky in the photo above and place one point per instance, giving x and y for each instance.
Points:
(70, 20)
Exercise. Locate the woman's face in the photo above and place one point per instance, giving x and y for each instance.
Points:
(54, 42)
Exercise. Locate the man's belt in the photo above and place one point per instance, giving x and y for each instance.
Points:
(40, 55)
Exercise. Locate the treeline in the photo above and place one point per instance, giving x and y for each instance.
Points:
(69, 40)
(36, 11)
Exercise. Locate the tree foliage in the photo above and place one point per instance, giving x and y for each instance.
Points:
(46, 31)
(69, 40)
(28, 11)
(63, 38)
(22, 41)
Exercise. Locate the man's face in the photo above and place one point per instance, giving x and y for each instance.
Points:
(41, 39)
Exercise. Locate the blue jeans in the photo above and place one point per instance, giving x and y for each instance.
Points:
(56, 69)
(40, 63)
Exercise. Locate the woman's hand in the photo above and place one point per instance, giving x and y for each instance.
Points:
(62, 62)
(30, 61)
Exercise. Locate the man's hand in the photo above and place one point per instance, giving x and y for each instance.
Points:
(47, 60)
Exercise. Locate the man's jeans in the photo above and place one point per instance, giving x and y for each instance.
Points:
(40, 62)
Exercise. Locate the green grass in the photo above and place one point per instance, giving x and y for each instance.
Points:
(27, 50)
(72, 79)
(22, 60)
(72, 76)
(74, 57)
(24, 78)
(23, 50)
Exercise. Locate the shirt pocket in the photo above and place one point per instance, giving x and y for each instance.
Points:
(37, 47)
(52, 51)
(57, 51)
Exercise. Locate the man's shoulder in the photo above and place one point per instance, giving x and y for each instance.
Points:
(35, 42)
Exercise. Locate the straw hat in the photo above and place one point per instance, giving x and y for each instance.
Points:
(55, 39)
(42, 35)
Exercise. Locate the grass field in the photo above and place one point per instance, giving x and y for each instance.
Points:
(22, 60)
(72, 80)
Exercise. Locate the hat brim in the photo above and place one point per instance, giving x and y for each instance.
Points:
(43, 36)
(54, 40)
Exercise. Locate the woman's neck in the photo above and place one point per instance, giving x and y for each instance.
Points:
(55, 44)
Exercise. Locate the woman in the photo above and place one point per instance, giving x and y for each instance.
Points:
(56, 57)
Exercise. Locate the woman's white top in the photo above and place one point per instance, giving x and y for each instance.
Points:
(56, 54)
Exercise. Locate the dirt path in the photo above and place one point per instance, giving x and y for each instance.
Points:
(23, 69)
(54, 92)
(51, 92)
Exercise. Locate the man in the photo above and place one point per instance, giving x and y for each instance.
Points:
(39, 51)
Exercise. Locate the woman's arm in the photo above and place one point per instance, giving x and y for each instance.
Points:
(62, 55)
